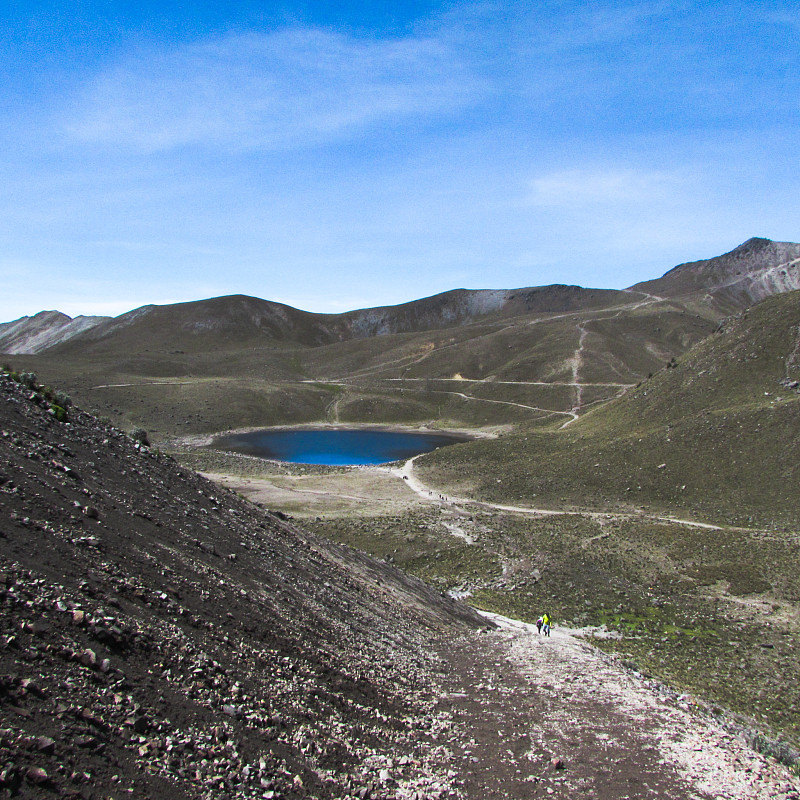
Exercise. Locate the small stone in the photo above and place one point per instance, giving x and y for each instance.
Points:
(557, 763)
(44, 744)
(86, 742)
(30, 687)
(37, 775)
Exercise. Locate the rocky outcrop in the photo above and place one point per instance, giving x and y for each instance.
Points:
(42, 331)
(751, 272)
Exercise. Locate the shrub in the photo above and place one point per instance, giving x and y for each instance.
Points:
(28, 379)
(140, 435)
(59, 413)
(62, 399)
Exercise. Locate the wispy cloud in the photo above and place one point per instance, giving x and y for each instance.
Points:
(603, 187)
(268, 91)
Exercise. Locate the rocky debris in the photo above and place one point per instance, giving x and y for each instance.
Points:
(160, 636)
(790, 384)
(531, 716)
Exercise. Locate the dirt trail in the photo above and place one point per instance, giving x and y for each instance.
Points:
(577, 364)
(519, 700)
(406, 472)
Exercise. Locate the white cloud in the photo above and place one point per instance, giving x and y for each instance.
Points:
(269, 91)
(581, 187)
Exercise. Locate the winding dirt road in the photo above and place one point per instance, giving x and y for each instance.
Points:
(406, 473)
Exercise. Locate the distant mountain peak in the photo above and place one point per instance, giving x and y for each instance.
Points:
(42, 331)
(750, 272)
(753, 242)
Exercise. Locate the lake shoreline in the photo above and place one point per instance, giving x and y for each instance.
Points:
(205, 440)
(337, 446)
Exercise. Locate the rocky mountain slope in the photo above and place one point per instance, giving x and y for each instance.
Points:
(42, 331)
(751, 272)
(163, 637)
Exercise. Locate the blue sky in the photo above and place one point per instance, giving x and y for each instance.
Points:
(334, 156)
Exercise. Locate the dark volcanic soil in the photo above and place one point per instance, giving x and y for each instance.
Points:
(162, 637)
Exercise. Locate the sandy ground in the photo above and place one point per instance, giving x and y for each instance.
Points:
(355, 492)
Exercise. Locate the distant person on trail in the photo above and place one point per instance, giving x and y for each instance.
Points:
(546, 624)
(539, 623)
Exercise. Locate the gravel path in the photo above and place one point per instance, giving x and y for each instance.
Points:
(555, 717)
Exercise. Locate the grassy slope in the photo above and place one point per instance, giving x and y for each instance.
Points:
(715, 438)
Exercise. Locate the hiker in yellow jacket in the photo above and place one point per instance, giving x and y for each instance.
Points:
(546, 624)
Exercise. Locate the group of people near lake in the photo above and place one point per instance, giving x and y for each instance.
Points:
(543, 624)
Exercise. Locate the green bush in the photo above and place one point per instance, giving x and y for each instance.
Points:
(59, 412)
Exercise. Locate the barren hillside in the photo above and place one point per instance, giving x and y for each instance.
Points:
(162, 636)
(751, 272)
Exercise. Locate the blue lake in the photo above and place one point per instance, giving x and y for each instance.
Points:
(336, 447)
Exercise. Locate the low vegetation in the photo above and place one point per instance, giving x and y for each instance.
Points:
(55, 400)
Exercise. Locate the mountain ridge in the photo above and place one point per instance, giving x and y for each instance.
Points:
(747, 274)
(752, 271)
(246, 320)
